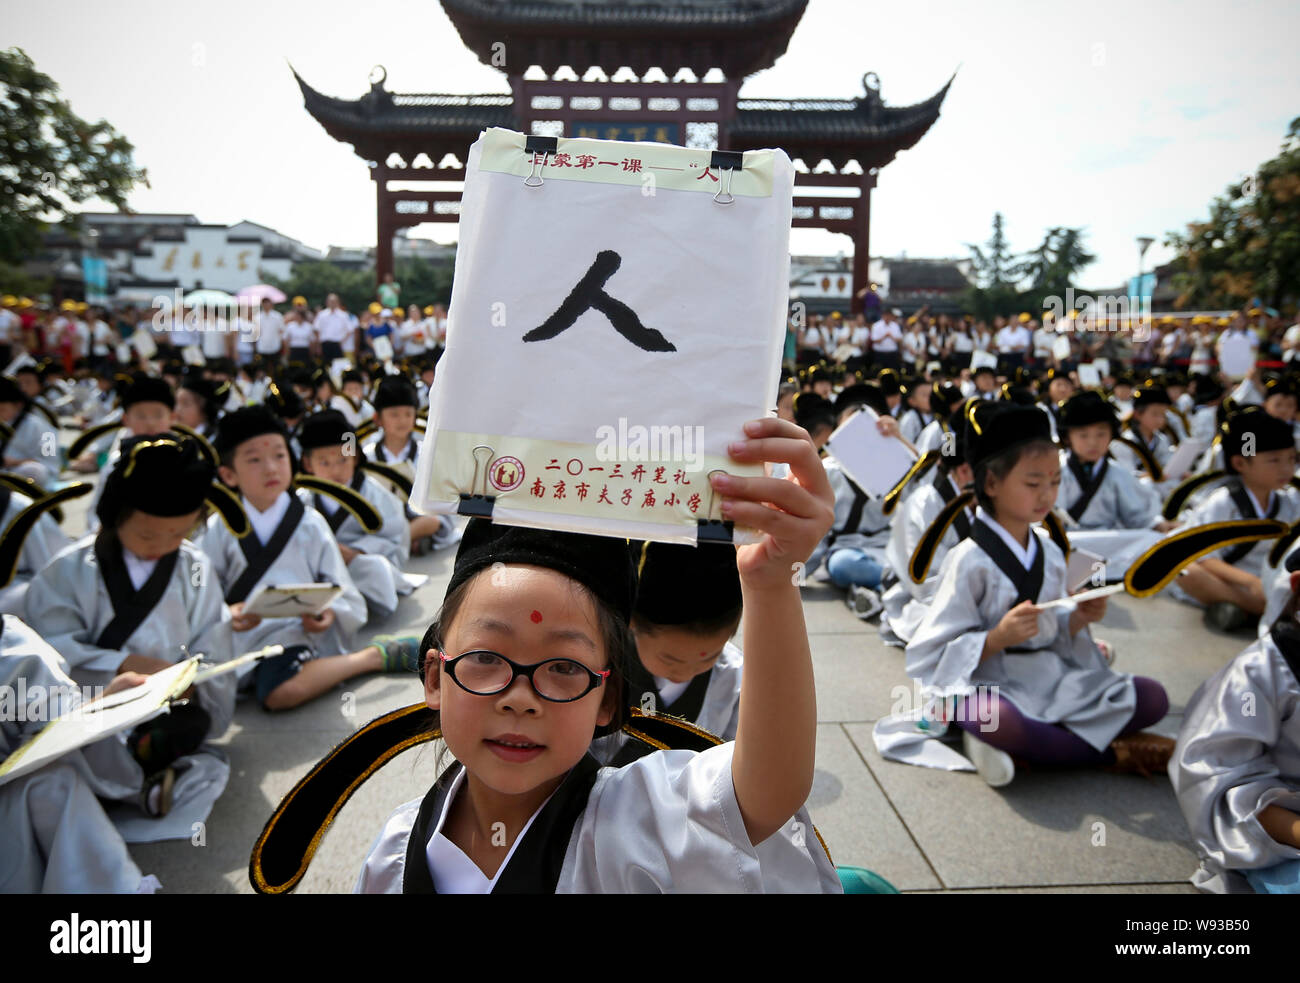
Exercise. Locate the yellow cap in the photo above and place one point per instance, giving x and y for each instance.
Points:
(1025, 318)
(24, 302)
(375, 307)
(835, 313)
(8, 300)
(68, 305)
(300, 301)
(428, 311)
(1222, 322)
(82, 306)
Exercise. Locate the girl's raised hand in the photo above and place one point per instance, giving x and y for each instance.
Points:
(794, 512)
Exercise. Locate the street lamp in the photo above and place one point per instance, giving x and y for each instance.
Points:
(1143, 244)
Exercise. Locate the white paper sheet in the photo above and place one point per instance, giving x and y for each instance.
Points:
(1089, 377)
(383, 348)
(93, 722)
(874, 461)
(1184, 458)
(1083, 567)
(606, 416)
(1102, 365)
(291, 600)
(1061, 347)
(980, 358)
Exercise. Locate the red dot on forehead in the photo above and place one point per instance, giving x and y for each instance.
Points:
(537, 617)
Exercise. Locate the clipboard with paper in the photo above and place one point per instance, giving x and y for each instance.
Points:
(873, 460)
(618, 315)
(291, 600)
(87, 723)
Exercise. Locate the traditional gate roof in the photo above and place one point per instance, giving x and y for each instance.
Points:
(739, 37)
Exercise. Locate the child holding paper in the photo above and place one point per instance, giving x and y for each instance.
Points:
(57, 838)
(138, 596)
(854, 549)
(729, 818)
(1018, 680)
(288, 544)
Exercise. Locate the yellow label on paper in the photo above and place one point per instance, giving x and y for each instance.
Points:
(641, 165)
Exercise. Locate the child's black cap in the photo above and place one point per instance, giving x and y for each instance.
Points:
(993, 427)
(284, 401)
(860, 394)
(811, 410)
(164, 475)
(1086, 408)
(984, 369)
(329, 428)
(244, 424)
(9, 391)
(602, 564)
(352, 375)
(1151, 396)
(888, 380)
(147, 389)
(394, 390)
(679, 584)
(1251, 431)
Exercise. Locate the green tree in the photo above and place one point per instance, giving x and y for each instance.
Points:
(993, 270)
(51, 158)
(1053, 267)
(1250, 245)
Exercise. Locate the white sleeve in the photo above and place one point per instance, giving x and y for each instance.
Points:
(670, 823)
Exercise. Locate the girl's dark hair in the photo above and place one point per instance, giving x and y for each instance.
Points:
(1000, 465)
(701, 626)
(620, 647)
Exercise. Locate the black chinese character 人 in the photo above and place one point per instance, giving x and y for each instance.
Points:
(590, 293)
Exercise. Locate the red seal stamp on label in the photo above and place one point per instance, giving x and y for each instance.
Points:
(506, 473)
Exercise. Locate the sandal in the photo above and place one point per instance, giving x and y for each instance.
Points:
(1141, 754)
(164, 781)
(401, 653)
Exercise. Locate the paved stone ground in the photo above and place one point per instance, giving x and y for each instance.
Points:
(923, 830)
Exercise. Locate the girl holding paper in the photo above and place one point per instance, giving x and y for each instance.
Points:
(1018, 680)
(526, 808)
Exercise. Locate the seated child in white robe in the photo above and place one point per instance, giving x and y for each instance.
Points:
(396, 445)
(374, 555)
(1261, 460)
(289, 544)
(1018, 680)
(138, 596)
(688, 607)
(30, 446)
(906, 602)
(1236, 768)
(57, 838)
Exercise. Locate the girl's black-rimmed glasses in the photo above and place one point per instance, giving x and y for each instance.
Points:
(486, 673)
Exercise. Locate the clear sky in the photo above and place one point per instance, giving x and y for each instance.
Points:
(1125, 118)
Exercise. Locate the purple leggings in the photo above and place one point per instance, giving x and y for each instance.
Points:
(1051, 744)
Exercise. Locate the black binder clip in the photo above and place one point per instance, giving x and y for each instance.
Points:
(728, 162)
(534, 145)
(713, 530)
(474, 503)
